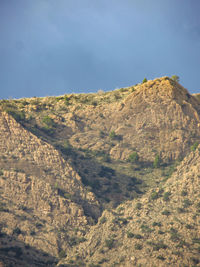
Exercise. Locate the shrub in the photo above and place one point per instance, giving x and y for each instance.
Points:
(61, 254)
(144, 80)
(160, 258)
(194, 146)
(154, 195)
(138, 206)
(138, 246)
(133, 157)
(109, 243)
(183, 193)
(130, 235)
(66, 99)
(166, 212)
(189, 226)
(145, 228)
(17, 231)
(175, 78)
(138, 236)
(157, 224)
(157, 161)
(174, 235)
(159, 245)
(186, 203)
(112, 135)
(180, 210)
(166, 196)
(49, 122)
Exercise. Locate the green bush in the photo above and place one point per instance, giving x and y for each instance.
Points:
(166, 196)
(194, 146)
(144, 80)
(109, 243)
(180, 210)
(174, 235)
(112, 135)
(159, 245)
(160, 258)
(138, 246)
(157, 224)
(166, 212)
(175, 78)
(49, 122)
(61, 254)
(133, 157)
(186, 203)
(138, 236)
(130, 235)
(184, 193)
(154, 195)
(145, 228)
(66, 99)
(157, 161)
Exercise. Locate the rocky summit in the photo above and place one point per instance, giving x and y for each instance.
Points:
(101, 179)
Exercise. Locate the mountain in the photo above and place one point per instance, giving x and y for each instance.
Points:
(101, 179)
(159, 229)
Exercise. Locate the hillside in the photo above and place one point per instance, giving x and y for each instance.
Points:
(86, 174)
(160, 229)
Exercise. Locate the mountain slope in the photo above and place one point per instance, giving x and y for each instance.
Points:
(67, 162)
(41, 194)
(160, 229)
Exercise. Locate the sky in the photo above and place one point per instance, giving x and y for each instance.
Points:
(56, 47)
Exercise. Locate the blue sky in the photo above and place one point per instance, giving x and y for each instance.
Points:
(54, 47)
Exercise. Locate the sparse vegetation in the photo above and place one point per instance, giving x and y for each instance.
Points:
(194, 146)
(166, 196)
(58, 181)
(175, 78)
(166, 212)
(138, 206)
(130, 235)
(157, 161)
(133, 157)
(138, 246)
(109, 243)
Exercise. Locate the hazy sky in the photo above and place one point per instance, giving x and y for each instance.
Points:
(54, 47)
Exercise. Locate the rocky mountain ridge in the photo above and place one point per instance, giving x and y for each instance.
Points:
(78, 172)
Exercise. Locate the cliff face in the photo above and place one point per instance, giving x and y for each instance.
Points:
(65, 165)
(159, 117)
(42, 196)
